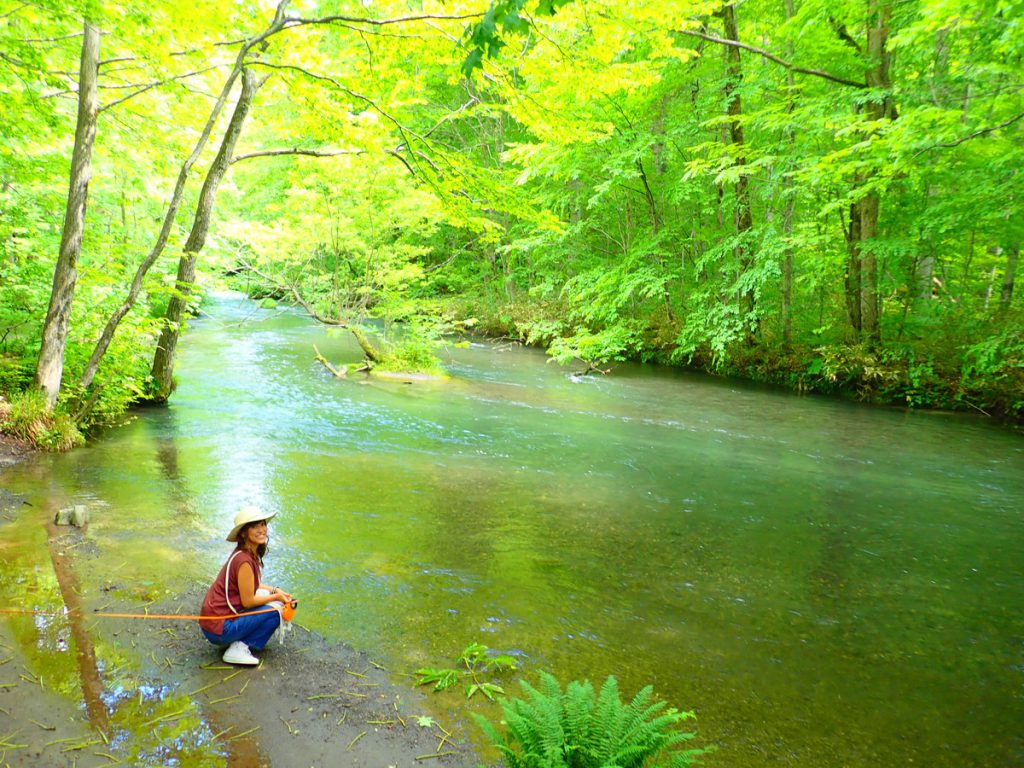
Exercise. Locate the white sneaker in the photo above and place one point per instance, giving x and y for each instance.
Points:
(238, 653)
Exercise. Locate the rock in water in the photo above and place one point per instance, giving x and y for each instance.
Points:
(77, 516)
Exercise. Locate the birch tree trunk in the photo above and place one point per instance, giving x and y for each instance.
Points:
(50, 365)
(163, 361)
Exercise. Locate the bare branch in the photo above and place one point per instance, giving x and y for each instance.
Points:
(472, 100)
(55, 94)
(151, 86)
(118, 59)
(49, 39)
(374, 32)
(297, 151)
(976, 134)
(295, 22)
(320, 153)
(776, 59)
(13, 11)
(395, 153)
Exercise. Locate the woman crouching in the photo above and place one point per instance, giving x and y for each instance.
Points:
(238, 592)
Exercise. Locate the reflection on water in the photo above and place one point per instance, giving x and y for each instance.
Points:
(825, 584)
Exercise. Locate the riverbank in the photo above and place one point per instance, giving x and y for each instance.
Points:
(89, 691)
(984, 378)
(12, 450)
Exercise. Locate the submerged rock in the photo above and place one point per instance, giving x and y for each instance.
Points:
(77, 516)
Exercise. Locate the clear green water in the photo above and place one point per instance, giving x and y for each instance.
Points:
(825, 584)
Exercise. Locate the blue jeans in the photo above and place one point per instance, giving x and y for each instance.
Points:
(254, 631)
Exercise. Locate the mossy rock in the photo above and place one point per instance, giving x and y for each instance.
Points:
(268, 303)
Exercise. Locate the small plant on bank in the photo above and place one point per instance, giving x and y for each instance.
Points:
(577, 728)
(474, 661)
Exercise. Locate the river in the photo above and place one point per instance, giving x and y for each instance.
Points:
(825, 584)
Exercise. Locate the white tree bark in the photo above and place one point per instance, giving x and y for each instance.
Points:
(50, 366)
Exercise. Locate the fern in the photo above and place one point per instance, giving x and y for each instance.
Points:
(574, 728)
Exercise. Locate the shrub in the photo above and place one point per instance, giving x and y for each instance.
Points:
(577, 728)
(412, 355)
(28, 418)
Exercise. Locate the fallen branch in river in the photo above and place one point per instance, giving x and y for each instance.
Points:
(341, 374)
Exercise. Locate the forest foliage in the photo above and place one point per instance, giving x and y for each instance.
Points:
(824, 195)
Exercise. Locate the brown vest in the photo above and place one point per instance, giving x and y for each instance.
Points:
(223, 598)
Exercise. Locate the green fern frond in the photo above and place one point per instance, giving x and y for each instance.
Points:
(574, 728)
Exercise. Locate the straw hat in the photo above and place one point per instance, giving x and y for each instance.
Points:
(249, 514)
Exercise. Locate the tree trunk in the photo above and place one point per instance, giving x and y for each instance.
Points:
(163, 361)
(787, 213)
(172, 209)
(877, 78)
(742, 217)
(853, 268)
(50, 366)
(991, 285)
(926, 277)
(1012, 256)
(863, 265)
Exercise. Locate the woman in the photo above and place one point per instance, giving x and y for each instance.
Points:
(238, 592)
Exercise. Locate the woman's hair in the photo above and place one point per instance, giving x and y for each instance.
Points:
(261, 549)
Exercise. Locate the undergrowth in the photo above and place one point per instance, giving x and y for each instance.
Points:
(28, 418)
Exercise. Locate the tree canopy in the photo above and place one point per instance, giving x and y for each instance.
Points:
(822, 195)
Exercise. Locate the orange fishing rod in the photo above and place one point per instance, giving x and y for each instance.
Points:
(287, 613)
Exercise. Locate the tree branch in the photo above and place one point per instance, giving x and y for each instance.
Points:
(840, 30)
(151, 86)
(295, 294)
(771, 57)
(295, 22)
(49, 39)
(118, 59)
(976, 134)
(341, 87)
(374, 32)
(472, 100)
(297, 151)
(13, 11)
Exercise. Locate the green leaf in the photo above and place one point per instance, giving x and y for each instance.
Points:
(440, 678)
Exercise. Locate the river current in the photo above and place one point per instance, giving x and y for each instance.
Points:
(824, 584)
